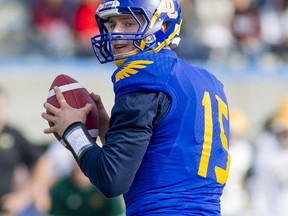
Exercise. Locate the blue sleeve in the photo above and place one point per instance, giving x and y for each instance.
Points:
(112, 168)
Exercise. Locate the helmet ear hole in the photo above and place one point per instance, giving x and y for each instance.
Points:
(165, 26)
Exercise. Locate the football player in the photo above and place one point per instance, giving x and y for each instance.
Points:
(166, 145)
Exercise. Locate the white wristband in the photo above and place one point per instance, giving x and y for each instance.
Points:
(78, 140)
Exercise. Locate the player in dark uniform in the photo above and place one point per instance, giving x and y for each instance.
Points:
(15, 150)
(166, 147)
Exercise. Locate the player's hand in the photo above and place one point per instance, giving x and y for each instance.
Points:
(103, 117)
(65, 115)
(14, 203)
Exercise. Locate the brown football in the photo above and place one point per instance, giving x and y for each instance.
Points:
(76, 96)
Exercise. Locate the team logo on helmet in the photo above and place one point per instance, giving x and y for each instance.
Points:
(109, 4)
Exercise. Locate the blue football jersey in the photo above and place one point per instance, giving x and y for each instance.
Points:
(187, 161)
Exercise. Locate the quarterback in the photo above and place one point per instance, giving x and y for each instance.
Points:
(166, 143)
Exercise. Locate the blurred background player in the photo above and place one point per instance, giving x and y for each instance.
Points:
(236, 197)
(74, 195)
(57, 188)
(17, 156)
(270, 176)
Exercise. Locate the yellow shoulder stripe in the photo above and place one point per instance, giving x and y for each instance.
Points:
(131, 69)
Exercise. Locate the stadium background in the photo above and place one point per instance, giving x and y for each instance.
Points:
(243, 42)
(27, 82)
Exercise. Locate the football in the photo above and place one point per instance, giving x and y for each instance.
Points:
(77, 97)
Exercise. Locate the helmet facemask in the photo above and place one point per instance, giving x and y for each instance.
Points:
(102, 43)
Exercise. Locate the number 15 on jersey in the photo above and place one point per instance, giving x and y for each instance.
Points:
(221, 173)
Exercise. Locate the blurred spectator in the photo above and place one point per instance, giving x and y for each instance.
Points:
(220, 30)
(270, 20)
(206, 30)
(17, 156)
(283, 12)
(188, 33)
(214, 20)
(269, 183)
(85, 26)
(52, 21)
(246, 29)
(14, 27)
(235, 199)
